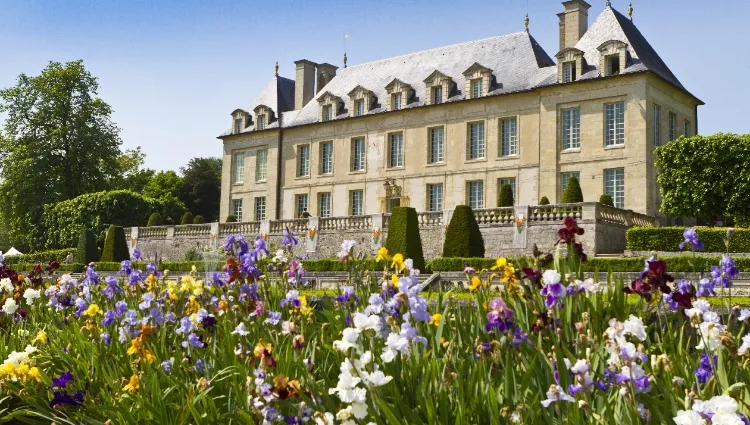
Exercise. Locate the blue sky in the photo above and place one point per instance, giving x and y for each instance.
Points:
(174, 70)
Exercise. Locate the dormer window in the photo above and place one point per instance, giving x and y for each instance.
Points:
(439, 86)
(330, 106)
(399, 94)
(570, 65)
(478, 81)
(437, 95)
(261, 122)
(327, 114)
(240, 120)
(362, 101)
(613, 57)
(569, 72)
(237, 125)
(613, 65)
(263, 117)
(396, 102)
(359, 107)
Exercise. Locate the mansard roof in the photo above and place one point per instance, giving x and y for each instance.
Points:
(278, 96)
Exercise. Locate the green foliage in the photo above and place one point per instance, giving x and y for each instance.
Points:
(187, 218)
(335, 265)
(199, 219)
(457, 264)
(505, 197)
(403, 235)
(669, 238)
(41, 257)
(230, 219)
(693, 176)
(606, 200)
(63, 221)
(463, 238)
(115, 246)
(162, 184)
(201, 186)
(60, 142)
(544, 201)
(192, 255)
(87, 251)
(572, 192)
(155, 220)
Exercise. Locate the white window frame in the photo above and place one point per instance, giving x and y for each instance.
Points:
(436, 94)
(260, 208)
(509, 136)
(435, 197)
(396, 101)
(359, 107)
(396, 161)
(512, 182)
(237, 125)
(303, 161)
(614, 124)
(302, 203)
(326, 158)
(237, 209)
(475, 194)
(261, 165)
(569, 72)
(614, 185)
(261, 122)
(436, 136)
(477, 146)
(356, 202)
(238, 168)
(657, 125)
(477, 88)
(324, 204)
(565, 177)
(571, 129)
(359, 159)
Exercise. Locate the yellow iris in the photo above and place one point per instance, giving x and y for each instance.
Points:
(398, 262)
(93, 310)
(476, 282)
(40, 337)
(394, 280)
(382, 255)
(132, 385)
(506, 270)
(436, 319)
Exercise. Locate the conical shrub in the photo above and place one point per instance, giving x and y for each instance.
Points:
(403, 235)
(606, 200)
(505, 198)
(572, 192)
(87, 251)
(463, 238)
(155, 220)
(115, 245)
(187, 218)
(199, 219)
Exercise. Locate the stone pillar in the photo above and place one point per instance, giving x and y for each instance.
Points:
(265, 229)
(521, 214)
(133, 237)
(447, 216)
(589, 211)
(170, 232)
(312, 234)
(376, 237)
(628, 216)
(214, 236)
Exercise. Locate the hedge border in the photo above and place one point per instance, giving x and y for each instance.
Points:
(668, 239)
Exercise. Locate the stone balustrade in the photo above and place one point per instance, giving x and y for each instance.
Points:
(507, 231)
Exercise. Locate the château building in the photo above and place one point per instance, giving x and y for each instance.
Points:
(448, 126)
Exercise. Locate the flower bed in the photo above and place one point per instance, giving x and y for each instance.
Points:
(247, 346)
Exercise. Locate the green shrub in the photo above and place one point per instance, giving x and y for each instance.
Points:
(64, 268)
(231, 219)
(669, 239)
(572, 192)
(155, 220)
(42, 257)
(187, 218)
(606, 200)
(87, 250)
(115, 245)
(505, 197)
(199, 219)
(544, 201)
(463, 238)
(403, 236)
(457, 264)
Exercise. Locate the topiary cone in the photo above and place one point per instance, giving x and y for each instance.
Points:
(403, 236)
(463, 238)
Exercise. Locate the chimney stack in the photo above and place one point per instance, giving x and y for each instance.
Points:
(326, 72)
(574, 22)
(304, 82)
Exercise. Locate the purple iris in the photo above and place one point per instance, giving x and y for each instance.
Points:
(136, 277)
(273, 318)
(292, 297)
(109, 318)
(137, 254)
(166, 366)
(152, 269)
(691, 238)
(236, 245)
(288, 240)
(553, 293)
(194, 340)
(261, 246)
(62, 381)
(106, 338)
(704, 371)
(186, 326)
(724, 274)
(112, 287)
(63, 399)
(706, 288)
(120, 308)
(125, 268)
(347, 296)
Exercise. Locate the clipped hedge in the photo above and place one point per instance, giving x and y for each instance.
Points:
(403, 236)
(456, 264)
(115, 245)
(42, 257)
(87, 250)
(463, 237)
(669, 239)
(187, 218)
(573, 193)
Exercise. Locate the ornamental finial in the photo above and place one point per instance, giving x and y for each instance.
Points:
(276, 68)
(344, 59)
(526, 21)
(630, 10)
(609, 3)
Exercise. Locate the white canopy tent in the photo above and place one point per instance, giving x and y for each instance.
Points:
(11, 252)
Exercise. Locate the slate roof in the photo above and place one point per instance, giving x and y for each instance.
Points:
(517, 61)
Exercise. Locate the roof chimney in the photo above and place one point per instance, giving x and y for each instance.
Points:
(304, 83)
(574, 22)
(326, 72)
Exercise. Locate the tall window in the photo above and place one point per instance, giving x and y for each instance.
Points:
(301, 201)
(437, 144)
(238, 168)
(437, 95)
(571, 129)
(476, 88)
(358, 154)
(261, 165)
(565, 177)
(569, 72)
(237, 209)
(509, 139)
(672, 126)
(327, 113)
(510, 181)
(475, 194)
(476, 140)
(324, 204)
(657, 125)
(237, 125)
(687, 128)
(326, 158)
(260, 208)
(303, 161)
(615, 124)
(356, 202)
(435, 197)
(396, 101)
(396, 150)
(359, 108)
(261, 122)
(614, 185)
